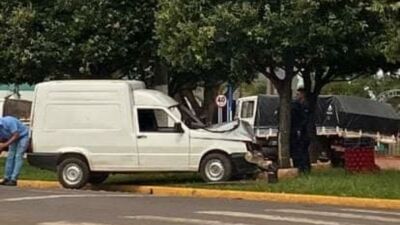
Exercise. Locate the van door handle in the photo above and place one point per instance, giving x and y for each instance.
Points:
(141, 136)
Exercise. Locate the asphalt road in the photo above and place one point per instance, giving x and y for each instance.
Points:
(68, 207)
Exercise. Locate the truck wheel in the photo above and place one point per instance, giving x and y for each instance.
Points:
(97, 178)
(216, 167)
(73, 173)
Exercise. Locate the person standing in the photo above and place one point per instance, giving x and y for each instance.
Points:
(16, 136)
(299, 138)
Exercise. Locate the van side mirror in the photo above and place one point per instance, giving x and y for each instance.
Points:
(178, 127)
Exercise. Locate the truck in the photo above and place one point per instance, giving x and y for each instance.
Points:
(85, 130)
(340, 121)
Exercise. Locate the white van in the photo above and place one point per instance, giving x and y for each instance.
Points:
(85, 130)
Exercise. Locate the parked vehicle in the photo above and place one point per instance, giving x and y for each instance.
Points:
(86, 130)
(339, 120)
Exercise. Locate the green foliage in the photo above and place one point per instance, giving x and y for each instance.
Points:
(344, 42)
(363, 87)
(310, 35)
(323, 40)
(186, 38)
(389, 11)
(255, 88)
(22, 50)
(93, 38)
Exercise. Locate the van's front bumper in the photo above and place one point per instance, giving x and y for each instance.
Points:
(241, 166)
(46, 161)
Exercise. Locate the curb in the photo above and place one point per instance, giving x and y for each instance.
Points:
(226, 194)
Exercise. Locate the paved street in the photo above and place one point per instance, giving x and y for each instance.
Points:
(62, 207)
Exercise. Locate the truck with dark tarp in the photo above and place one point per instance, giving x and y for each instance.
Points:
(338, 120)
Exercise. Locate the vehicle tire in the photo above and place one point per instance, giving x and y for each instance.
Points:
(216, 167)
(73, 173)
(97, 178)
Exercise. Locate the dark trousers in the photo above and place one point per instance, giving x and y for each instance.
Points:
(299, 154)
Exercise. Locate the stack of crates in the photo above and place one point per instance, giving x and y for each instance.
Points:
(359, 156)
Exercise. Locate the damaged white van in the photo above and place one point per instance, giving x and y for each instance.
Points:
(86, 130)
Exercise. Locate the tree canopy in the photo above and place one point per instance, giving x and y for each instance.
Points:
(389, 11)
(322, 40)
(201, 42)
(92, 39)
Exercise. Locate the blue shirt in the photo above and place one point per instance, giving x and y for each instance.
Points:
(10, 125)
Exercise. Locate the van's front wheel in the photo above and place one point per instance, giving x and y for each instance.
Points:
(73, 173)
(216, 167)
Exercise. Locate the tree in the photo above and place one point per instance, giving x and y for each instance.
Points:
(77, 39)
(389, 11)
(323, 41)
(351, 47)
(243, 35)
(24, 53)
(209, 73)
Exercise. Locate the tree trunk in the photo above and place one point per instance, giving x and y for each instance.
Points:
(161, 74)
(285, 98)
(314, 149)
(209, 107)
(192, 101)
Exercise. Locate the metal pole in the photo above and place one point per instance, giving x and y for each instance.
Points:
(229, 104)
(219, 115)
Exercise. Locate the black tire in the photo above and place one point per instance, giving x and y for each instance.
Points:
(97, 178)
(73, 173)
(216, 167)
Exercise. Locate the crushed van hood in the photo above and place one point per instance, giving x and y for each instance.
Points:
(237, 130)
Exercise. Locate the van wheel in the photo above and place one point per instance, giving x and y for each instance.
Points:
(73, 173)
(97, 178)
(216, 167)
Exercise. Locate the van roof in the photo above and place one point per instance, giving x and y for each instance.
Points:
(135, 84)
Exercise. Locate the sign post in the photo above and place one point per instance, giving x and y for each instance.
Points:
(221, 101)
(230, 104)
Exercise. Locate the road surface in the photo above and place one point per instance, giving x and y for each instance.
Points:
(83, 207)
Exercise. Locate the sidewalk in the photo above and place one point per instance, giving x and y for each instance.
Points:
(388, 162)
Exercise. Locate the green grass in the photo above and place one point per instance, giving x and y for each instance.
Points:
(30, 173)
(337, 182)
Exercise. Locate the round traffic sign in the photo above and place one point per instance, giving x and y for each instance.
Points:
(221, 101)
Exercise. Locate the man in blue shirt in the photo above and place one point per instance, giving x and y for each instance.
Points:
(16, 137)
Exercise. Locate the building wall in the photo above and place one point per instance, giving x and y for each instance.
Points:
(25, 93)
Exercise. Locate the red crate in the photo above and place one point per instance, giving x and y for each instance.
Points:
(359, 159)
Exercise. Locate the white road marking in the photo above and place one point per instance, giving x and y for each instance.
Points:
(334, 214)
(62, 196)
(68, 223)
(296, 220)
(182, 220)
(372, 211)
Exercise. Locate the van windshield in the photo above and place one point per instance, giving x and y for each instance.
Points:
(187, 116)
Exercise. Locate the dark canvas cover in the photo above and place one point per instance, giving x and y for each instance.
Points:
(267, 111)
(356, 113)
(346, 112)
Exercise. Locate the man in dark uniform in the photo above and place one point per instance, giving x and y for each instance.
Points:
(299, 137)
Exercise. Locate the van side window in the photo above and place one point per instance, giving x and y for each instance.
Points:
(155, 120)
(247, 109)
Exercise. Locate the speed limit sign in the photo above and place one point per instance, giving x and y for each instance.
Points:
(221, 101)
